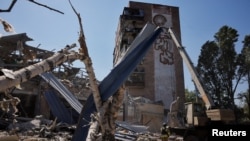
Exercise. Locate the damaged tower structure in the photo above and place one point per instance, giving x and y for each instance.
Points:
(159, 77)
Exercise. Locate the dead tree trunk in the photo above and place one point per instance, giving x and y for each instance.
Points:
(106, 110)
(111, 114)
(92, 79)
(24, 74)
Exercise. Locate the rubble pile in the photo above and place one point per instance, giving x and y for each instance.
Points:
(37, 129)
(21, 105)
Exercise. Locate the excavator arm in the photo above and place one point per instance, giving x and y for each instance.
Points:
(205, 97)
(213, 114)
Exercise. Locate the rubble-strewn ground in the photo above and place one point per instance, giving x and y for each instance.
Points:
(41, 129)
(37, 129)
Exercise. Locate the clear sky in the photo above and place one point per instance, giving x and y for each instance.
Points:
(200, 20)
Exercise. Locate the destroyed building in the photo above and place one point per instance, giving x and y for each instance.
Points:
(35, 96)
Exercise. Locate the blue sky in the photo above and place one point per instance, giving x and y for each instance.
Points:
(200, 20)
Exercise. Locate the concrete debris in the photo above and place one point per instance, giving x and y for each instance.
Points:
(126, 131)
(37, 129)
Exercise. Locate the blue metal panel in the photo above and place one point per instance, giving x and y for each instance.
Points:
(57, 107)
(69, 97)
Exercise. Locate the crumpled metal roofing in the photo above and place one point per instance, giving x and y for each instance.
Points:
(132, 127)
(56, 84)
(58, 108)
(134, 131)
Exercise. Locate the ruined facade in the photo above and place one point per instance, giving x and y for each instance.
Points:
(159, 77)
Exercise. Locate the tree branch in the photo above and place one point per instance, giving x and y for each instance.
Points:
(90, 71)
(10, 7)
(46, 6)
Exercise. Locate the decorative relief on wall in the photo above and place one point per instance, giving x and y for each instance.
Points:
(159, 20)
(164, 43)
